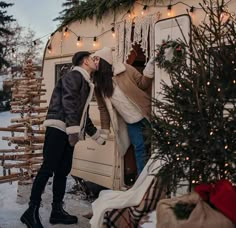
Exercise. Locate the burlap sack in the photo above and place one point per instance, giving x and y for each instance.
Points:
(202, 216)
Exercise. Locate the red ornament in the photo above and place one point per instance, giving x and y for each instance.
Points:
(178, 48)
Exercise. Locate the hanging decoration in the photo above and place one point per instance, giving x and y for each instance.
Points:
(170, 53)
(144, 28)
(119, 44)
(128, 41)
(146, 24)
(154, 19)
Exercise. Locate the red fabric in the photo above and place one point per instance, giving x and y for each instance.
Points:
(222, 195)
(204, 191)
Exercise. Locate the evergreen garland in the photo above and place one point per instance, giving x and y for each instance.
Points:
(170, 54)
(81, 10)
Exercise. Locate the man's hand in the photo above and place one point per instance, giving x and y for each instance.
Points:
(73, 139)
(149, 69)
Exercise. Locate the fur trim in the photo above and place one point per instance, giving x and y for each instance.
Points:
(118, 68)
(72, 130)
(83, 72)
(84, 114)
(55, 123)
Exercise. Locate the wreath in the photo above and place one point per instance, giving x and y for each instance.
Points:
(170, 54)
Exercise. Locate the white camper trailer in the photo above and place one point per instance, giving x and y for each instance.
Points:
(133, 38)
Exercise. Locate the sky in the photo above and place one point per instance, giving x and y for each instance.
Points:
(36, 14)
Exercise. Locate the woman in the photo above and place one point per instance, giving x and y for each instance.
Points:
(121, 93)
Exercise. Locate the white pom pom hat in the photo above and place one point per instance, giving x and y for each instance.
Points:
(105, 53)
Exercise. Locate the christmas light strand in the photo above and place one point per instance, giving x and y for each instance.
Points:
(80, 38)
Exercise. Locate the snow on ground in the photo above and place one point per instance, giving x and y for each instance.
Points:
(14, 197)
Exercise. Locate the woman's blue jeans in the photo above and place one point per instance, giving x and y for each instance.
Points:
(135, 131)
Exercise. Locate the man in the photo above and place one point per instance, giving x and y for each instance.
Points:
(122, 97)
(66, 123)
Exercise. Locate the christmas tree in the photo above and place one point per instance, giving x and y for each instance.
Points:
(22, 161)
(194, 124)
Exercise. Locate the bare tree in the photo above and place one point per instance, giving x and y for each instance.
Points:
(21, 45)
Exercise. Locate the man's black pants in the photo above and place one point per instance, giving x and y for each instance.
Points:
(57, 154)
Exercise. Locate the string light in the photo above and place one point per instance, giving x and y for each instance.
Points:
(129, 13)
(169, 10)
(50, 37)
(191, 9)
(79, 38)
(144, 9)
(224, 17)
(49, 48)
(78, 43)
(94, 41)
(65, 32)
(113, 31)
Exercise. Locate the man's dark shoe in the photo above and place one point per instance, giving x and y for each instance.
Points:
(31, 216)
(60, 216)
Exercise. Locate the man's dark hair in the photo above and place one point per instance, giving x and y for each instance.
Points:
(78, 58)
(103, 79)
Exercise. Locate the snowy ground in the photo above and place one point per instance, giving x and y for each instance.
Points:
(14, 198)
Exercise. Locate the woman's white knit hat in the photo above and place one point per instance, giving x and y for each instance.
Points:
(105, 53)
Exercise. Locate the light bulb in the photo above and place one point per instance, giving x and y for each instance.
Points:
(169, 10)
(78, 43)
(94, 41)
(144, 10)
(65, 32)
(113, 31)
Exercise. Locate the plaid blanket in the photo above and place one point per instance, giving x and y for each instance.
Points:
(129, 217)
